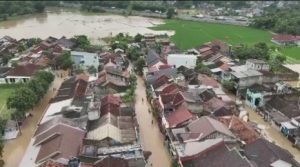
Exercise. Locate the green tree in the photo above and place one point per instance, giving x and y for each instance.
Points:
(138, 38)
(228, 84)
(39, 87)
(134, 53)
(44, 75)
(22, 100)
(81, 41)
(92, 70)
(139, 65)
(39, 7)
(64, 61)
(170, 13)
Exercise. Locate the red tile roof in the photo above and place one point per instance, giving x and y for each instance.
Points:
(160, 81)
(24, 70)
(111, 99)
(112, 162)
(51, 163)
(178, 117)
(213, 104)
(64, 144)
(110, 104)
(171, 88)
(165, 66)
(208, 81)
(241, 128)
(285, 38)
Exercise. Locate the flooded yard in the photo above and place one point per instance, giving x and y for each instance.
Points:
(66, 23)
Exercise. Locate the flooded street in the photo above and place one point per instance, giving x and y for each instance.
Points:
(15, 149)
(65, 23)
(151, 137)
(273, 134)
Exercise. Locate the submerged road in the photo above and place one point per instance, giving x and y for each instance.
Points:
(16, 148)
(151, 137)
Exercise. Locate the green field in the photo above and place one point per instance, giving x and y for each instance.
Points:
(5, 92)
(189, 34)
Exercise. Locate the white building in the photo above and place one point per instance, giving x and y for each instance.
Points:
(85, 59)
(186, 60)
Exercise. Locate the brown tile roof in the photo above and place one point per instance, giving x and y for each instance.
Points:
(111, 162)
(111, 99)
(263, 153)
(51, 163)
(171, 88)
(208, 81)
(239, 127)
(110, 104)
(160, 81)
(178, 117)
(174, 99)
(24, 70)
(201, 128)
(285, 38)
(61, 141)
(218, 156)
(213, 104)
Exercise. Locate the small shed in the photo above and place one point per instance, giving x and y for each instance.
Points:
(11, 130)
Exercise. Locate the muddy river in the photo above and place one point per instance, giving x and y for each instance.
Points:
(59, 23)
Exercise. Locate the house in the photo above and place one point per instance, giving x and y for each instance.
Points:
(202, 129)
(207, 81)
(177, 118)
(255, 95)
(149, 39)
(85, 59)
(3, 73)
(153, 59)
(265, 154)
(21, 73)
(114, 78)
(48, 43)
(186, 60)
(258, 65)
(280, 108)
(169, 72)
(217, 107)
(60, 141)
(212, 153)
(240, 128)
(74, 87)
(110, 104)
(112, 161)
(244, 77)
(112, 130)
(286, 39)
(65, 43)
(8, 45)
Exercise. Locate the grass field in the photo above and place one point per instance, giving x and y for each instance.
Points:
(189, 34)
(5, 92)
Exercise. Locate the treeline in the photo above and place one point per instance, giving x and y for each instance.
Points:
(134, 5)
(280, 20)
(29, 94)
(15, 8)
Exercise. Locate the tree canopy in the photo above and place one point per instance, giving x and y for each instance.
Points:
(281, 20)
(27, 96)
(64, 61)
(258, 51)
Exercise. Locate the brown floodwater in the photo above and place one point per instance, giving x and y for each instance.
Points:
(151, 137)
(15, 149)
(67, 23)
